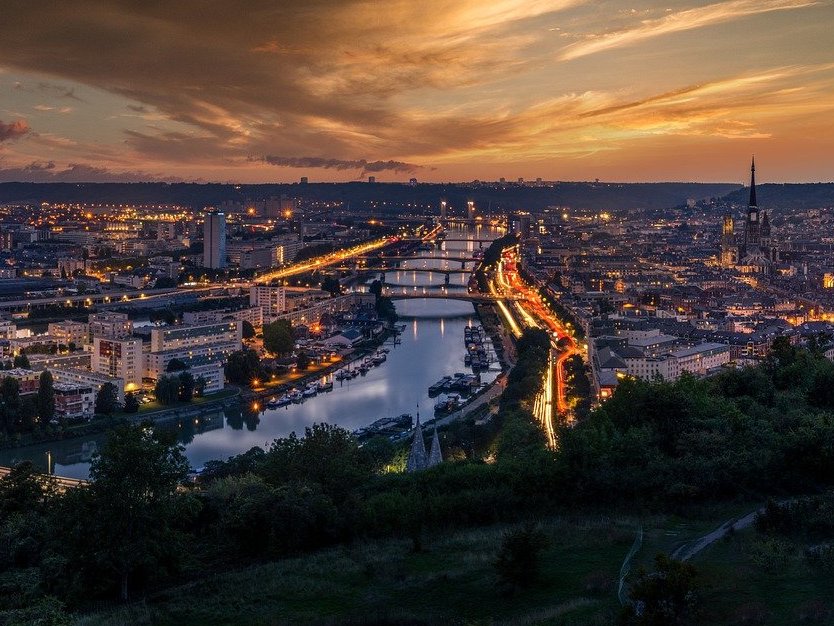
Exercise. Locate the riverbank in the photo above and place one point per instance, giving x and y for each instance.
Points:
(101, 424)
(293, 380)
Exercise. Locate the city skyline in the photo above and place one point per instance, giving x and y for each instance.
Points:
(564, 90)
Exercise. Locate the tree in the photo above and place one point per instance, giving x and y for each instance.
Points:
(200, 386)
(175, 365)
(107, 399)
(248, 330)
(302, 361)
(133, 487)
(331, 284)
(165, 282)
(167, 389)
(665, 597)
(376, 288)
(21, 360)
(9, 401)
(131, 403)
(46, 396)
(518, 561)
(243, 366)
(186, 387)
(278, 337)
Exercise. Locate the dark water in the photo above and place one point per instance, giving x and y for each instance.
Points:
(431, 347)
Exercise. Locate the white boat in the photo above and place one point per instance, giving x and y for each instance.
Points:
(296, 396)
(325, 386)
(284, 401)
(310, 391)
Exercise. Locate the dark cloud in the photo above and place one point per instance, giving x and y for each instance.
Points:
(312, 77)
(13, 130)
(363, 165)
(39, 166)
(49, 172)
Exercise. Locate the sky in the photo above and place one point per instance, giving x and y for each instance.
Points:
(438, 90)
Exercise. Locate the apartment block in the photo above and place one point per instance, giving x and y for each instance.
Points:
(195, 336)
(94, 379)
(121, 358)
(110, 325)
(69, 332)
(271, 299)
(74, 400)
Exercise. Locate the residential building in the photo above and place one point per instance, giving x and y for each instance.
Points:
(69, 332)
(120, 358)
(110, 325)
(214, 241)
(94, 379)
(193, 336)
(74, 400)
(29, 380)
(271, 299)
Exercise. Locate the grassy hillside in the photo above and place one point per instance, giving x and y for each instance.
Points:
(744, 578)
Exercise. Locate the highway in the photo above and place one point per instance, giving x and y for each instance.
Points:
(534, 313)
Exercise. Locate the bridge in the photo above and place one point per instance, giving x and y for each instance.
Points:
(415, 257)
(452, 295)
(472, 240)
(109, 298)
(62, 483)
(431, 270)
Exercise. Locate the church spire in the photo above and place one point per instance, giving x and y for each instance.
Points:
(752, 201)
(435, 454)
(417, 455)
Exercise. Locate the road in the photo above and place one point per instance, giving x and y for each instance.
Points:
(690, 549)
(535, 313)
(332, 258)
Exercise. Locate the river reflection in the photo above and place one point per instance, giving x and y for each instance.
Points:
(431, 347)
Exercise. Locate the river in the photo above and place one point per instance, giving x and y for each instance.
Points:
(431, 347)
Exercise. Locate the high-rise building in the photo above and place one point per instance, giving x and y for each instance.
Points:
(120, 358)
(470, 210)
(443, 208)
(271, 299)
(214, 241)
(110, 325)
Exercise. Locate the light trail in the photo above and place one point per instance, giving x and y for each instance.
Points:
(508, 317)
(325, 260)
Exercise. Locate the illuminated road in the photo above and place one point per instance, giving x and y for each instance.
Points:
(332, 258)
(534, 313)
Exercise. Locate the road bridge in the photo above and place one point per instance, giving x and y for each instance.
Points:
(430, 270)
(415, 257)
(110, 298)
(62, 483)
(468, 240)
(452, 295)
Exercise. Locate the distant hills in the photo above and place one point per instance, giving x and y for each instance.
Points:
(596, 196)
(785, 196)
(396, 196)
